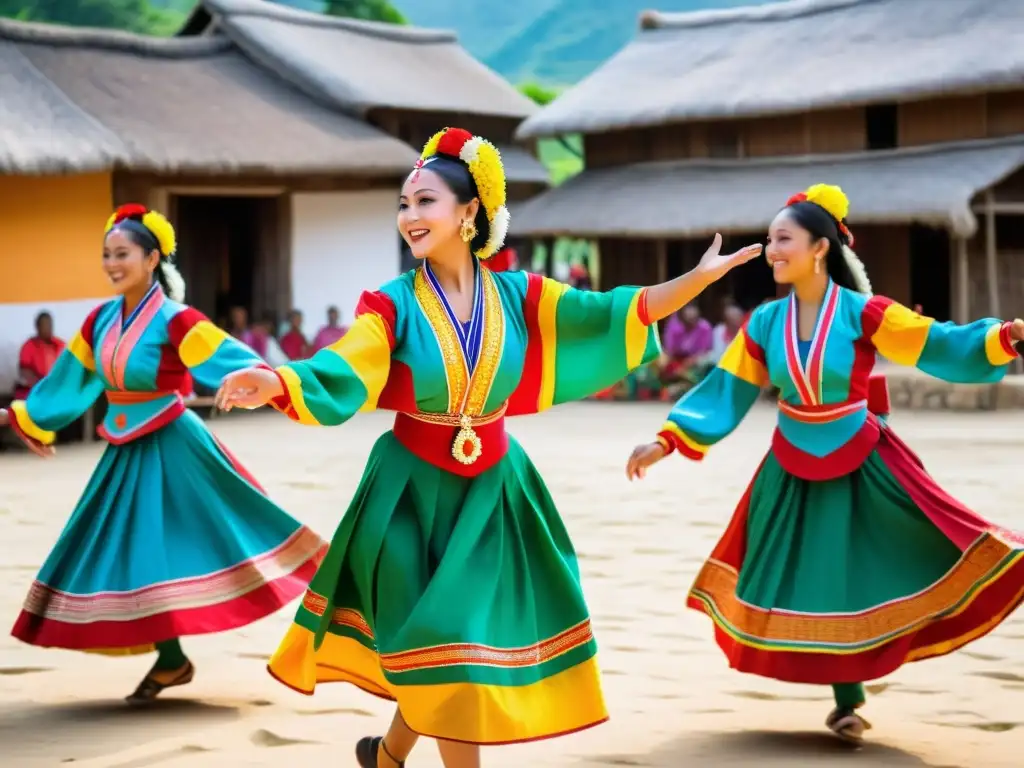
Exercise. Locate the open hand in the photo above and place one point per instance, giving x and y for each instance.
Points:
(713, 265)
(250, 388)
(1017, 330)
(643, 456)
(44, 451)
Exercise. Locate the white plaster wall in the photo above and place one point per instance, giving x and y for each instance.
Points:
(17, 323)
(343, 243)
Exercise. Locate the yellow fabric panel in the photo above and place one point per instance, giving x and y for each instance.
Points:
(200, 343)
(82, 351)
(547, 321)
(994, 350)
(366, 349)
(636, 333)
(28, 426)
(741, 364)
(294, 391)
(902, 334)
(481, 714)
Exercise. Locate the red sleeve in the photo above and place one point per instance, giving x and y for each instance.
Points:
(88, 329)
(380, 304)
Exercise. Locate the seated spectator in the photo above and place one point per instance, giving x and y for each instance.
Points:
(331, 332)
(293, 342)
(37, 356)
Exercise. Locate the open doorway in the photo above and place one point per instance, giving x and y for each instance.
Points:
(232, 252)
(930, 272)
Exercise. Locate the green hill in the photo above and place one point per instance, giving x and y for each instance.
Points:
(557, 42)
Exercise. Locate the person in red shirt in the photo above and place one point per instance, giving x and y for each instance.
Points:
(292, 342)
(37, 356)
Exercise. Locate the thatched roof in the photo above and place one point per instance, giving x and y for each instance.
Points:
(358, 65)
(791, 57)
(88, 100)
(930, 185)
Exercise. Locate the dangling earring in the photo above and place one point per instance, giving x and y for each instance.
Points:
(467, 231)
(817, 266)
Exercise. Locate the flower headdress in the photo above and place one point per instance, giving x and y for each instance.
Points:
(836, 204)
(153, 224)
(484, 163)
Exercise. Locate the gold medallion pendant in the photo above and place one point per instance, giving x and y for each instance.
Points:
(466, 448)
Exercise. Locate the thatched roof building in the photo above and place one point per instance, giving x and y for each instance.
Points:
(84, 100)
(408, 81)
(789, 57)
(708, 121)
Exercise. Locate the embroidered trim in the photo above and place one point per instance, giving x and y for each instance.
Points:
(809, 379)
(454, 654)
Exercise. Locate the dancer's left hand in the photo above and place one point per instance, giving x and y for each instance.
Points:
(250, 388)
(4, 419)
(713, 265)
(643, 456)
(1017, 330)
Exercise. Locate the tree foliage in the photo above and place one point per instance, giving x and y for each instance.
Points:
(130, 15)
(367, 10)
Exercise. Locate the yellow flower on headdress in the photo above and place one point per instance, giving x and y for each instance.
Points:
(485, 166)
(831, 198)
(154, 221)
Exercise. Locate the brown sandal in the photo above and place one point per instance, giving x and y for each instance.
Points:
(149, 688)
(366, 752)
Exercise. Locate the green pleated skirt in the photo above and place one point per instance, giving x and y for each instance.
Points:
(845, 580)
(457, 597)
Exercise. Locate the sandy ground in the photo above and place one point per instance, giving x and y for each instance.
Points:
(673, 700)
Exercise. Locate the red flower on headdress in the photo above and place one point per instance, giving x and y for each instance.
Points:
(130, 211)
(453, 141)
(799, 197)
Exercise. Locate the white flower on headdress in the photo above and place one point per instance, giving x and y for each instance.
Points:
(175, 282)
(499, 230)
(857, 270)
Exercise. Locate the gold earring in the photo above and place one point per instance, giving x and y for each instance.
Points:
(467, 231)
(817, 266)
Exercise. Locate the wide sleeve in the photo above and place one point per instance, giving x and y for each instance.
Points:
(347, 376)
(976, 353)
(63, 395)
(209, 352)
(715, 407)
(580, 342)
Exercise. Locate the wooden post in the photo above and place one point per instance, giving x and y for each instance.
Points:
(661, 254)
(963, 285)
(991, 256)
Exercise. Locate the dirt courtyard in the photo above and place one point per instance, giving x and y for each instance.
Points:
(673, 700)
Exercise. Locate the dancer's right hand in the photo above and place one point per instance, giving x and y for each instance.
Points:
(643, 456)
(4, 420)
(250, 388)
(44, 451)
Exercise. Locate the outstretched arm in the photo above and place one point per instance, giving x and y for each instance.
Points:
(671, 296)
(976, 353)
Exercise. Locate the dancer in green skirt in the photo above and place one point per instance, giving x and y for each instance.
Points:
(451, 585)
(844, 559)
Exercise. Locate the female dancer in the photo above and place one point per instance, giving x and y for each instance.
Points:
(171, 537)
(451, 585)
(844, 559)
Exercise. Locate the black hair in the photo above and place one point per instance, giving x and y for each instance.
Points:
(456, 176)
(821, 224)
(136, 232)
(44, 315)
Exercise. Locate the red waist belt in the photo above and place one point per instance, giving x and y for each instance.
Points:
(462, 445)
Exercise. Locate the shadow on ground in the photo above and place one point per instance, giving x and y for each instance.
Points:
(38, 734)
(766, 749)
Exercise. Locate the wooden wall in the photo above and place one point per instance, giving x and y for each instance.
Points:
(827, 131)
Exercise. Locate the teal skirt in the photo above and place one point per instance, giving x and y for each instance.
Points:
(172, 537)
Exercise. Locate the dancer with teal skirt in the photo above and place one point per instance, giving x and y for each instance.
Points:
(172, 536)
(451, 585)
(844, 559)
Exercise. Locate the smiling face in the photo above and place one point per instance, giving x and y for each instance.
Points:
(792, 250)
(128, 266)
(429, 214)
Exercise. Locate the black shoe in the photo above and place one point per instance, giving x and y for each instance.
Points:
(366, 752)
